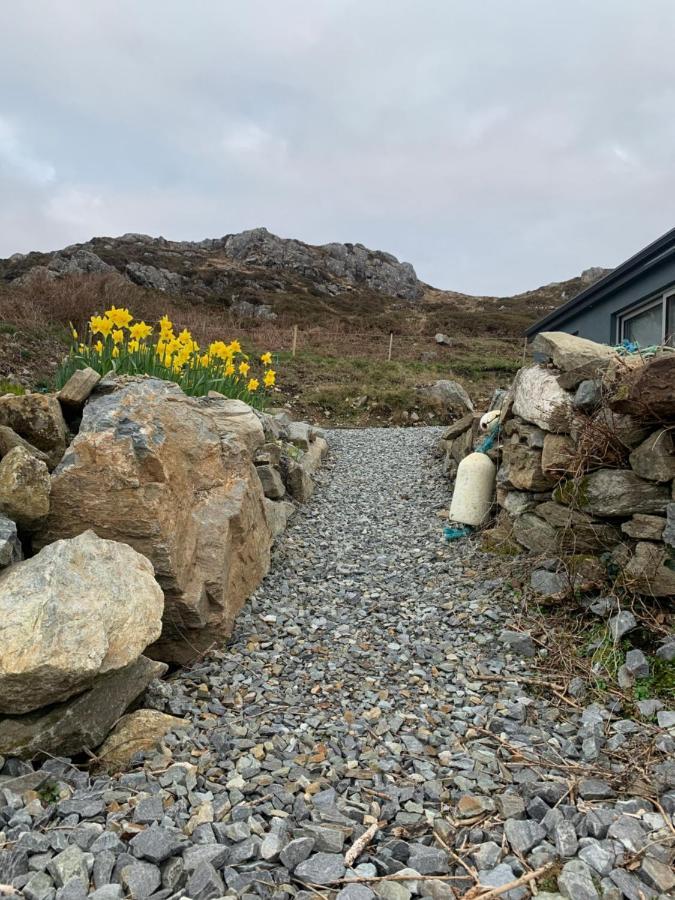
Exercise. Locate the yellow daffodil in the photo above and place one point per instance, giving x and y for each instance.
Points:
(205, 360)
(115, 352)
(82, 348)
(73, 331)
(270, 377)
(243, 368)
(139, 331)
(229, 370)
(234, 347)
(253, 385)
(266, 359)
(185, 337)
(119, 317)
(100, 325)
(133, 345)
(118, 336)
(98, 346)
(219, 350)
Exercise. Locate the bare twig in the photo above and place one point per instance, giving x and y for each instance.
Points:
(361, 843)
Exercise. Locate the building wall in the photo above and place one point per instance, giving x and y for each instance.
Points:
(597, 321)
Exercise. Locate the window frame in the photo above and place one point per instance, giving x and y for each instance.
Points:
(642, 307)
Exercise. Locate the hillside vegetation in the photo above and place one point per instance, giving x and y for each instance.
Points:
(345, 300)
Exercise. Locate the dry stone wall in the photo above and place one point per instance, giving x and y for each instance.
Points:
(586, 462)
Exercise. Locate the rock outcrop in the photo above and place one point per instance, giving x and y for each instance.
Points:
(78, 609)
(350, 263)
(171, 476)
(214, 267)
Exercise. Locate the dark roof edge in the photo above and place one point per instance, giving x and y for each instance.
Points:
(622, 273)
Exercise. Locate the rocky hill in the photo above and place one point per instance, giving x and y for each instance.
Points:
(236, 269)
(259, 275)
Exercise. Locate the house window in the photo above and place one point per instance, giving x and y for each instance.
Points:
(653, 322)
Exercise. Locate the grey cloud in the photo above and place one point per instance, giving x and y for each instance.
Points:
(494, 145)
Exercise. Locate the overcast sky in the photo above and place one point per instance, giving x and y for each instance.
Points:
(495, 144)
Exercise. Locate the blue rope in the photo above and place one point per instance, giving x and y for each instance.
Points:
(454, 534)
(488, 442)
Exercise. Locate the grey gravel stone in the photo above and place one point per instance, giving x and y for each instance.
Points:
(499, 876)
(518, 642)
(296, 852)
(620, 624)
(576, 881)
(141, 879)
(631, 886)
(205, 883)
(655, 873)
(321, 868)
(155, 844)
(428, 860)
(71, 863)
(355, 892)
(108, 892)
(599, 858)
(39, 887)
(523, 835)
(595, 789)
(565, 837)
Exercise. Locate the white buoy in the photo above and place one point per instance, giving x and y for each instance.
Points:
(474, 488)
(487, 419)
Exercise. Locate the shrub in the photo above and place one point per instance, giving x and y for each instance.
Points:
(114, 342)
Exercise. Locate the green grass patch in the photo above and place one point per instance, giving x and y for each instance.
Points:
(10, 387)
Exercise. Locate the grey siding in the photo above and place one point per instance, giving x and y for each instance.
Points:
(597, 320)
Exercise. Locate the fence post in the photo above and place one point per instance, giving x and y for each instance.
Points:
(295, 340)
(391, 344)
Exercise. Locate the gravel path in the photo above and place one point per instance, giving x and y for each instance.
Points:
(368, 685)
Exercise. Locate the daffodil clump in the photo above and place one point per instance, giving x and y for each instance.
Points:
(114, 342)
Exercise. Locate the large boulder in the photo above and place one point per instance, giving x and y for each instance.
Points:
(648, 391)
(654, 459)
(79, 608)
(38, 419)
(172, 476)
(538, 398)
(24, 487)
(82, 721)
(569, 352)
(447, 399)
(610, 493)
